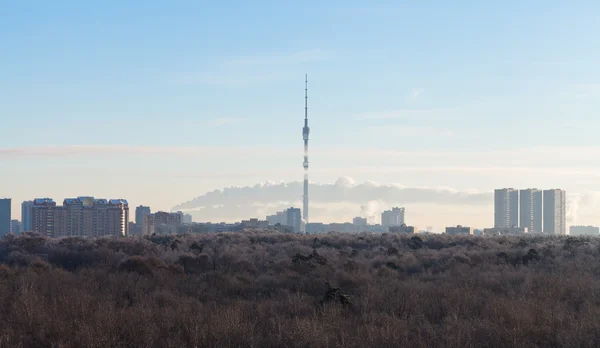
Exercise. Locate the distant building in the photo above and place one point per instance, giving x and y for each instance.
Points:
(459, 230)
(316, 227)
(403, 229)
(531, 210)
(186, 219)
(504, 231)
(360, 224)
(394, 217)
(584, 230)
(506, 208)
(290, 217)
(161, 223)
(5, 216)
(255, 224)
(43, 217)
(555, 212)
(293, 219)
(278, 218)
(80, 217)
(140, 212)
(26, 207)
(15, 226)
(359, 221)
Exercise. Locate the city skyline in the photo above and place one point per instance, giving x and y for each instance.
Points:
(402, 95)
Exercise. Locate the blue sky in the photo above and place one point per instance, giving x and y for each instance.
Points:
(162, 101)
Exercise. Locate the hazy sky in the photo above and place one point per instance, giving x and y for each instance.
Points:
(162, 102)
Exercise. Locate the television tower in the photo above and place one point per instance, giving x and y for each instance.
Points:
(305, 132)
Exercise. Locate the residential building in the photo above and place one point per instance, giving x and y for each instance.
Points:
(277, 218)
(131, 228)
(459, 230)
(140, 212)
(161, 223)
(293, 218)
(5, 216)
(82, 217)
(394, 217)
(506, 208)
(186, 219)
(43, 217)
(15, 226)
(254, 224)
(555, 212)
(359, 221)
(360, 224)
(584, 230)
(118, 218)
(404, 229)
(290, 217)
(317, 227)
(101, 217)
(531, 210)
(26, 207)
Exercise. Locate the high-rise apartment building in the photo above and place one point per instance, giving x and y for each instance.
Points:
(118, 217)
(43, 217)
(531, 210)
(293, 219)
(506, 208)
(82, 216)
(140, 212)
(15, 226)
(26, 216)
(279, 218)
(394, 217)
(5, 216)
(555, 212)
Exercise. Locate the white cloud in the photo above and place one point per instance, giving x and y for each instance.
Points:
(344, 189)
(340, 201)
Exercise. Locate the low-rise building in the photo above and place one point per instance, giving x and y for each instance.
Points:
(255, 224)
(403, 229)
(459, 230)
(584, 230)
(504, 231)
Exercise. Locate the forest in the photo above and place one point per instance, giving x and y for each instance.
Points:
(268, 289)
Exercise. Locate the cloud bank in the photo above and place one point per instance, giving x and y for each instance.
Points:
(339, 201)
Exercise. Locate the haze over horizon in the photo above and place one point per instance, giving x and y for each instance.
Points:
(166, 102)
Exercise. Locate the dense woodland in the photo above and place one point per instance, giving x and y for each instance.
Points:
(261, 289)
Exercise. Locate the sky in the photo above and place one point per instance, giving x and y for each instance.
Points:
(162, 102)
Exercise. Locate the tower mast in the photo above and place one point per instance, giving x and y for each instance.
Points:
(305, 132)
